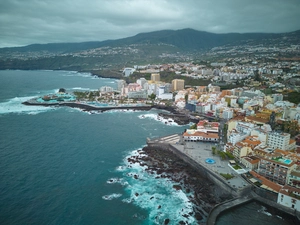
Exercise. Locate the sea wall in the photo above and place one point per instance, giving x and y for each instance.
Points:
(247, 194)
(220, 182)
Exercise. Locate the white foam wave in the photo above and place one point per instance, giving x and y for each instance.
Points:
(117, 181)
(81, 88)
(157, 195)
(264, 211)
(77, 74)
(121, 110)
(169, 121)
(111, 197)
(127, 200)
(15, 105)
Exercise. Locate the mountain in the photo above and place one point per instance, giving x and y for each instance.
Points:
(185, 40)
(145, 48)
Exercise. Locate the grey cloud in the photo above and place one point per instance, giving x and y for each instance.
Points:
(44, 21)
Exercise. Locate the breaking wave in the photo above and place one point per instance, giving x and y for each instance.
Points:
(169, 122)
(15, 105)
(157, 195)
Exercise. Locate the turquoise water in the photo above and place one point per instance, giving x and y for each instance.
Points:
(287, 161)
(65, 166)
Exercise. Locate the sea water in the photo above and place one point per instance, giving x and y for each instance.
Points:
(65, 166)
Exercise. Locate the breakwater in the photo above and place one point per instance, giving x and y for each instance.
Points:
(179, 118)
(87, 107)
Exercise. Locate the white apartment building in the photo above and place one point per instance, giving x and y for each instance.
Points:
(141, 81)
(203, 107)
(128, 71)
(289, 197)
(236, 137)
(227, 114)
(241, 131)
(278, 140)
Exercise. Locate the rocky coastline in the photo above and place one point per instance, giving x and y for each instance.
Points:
(203, 193)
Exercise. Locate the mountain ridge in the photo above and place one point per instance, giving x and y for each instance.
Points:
(185, 39)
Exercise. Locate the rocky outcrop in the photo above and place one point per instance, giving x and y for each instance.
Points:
(203, 193)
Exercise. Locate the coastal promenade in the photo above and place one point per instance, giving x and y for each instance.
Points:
(198, 152)
(195, 153)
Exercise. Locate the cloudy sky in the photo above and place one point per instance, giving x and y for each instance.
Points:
(24, 22)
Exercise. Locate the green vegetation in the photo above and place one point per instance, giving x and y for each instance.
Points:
(222, 155)
(293, 97)
(237, 167)
(227, 176)
(229, 155)
(213, 149)
(225, 129)
(152, 96)
(194, 126)
(291, 127)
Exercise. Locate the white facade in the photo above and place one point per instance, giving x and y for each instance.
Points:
(278, 140)
(128, 71)
(262, 135)
(161, 90)
(166, 96)
(141, 81)
(227, 114)
(237, 137)
(285, 197)
(180, 95)
(121, 84)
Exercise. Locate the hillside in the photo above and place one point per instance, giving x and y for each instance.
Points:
(153, 47)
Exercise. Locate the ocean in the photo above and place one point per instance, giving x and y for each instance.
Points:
(64, 166)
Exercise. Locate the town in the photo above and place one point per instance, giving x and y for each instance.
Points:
(255, 126)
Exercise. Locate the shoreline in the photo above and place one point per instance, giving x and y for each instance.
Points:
(238, 196)
(203, 193)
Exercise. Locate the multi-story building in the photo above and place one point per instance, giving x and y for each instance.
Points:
(194, 135)
(206, 126)
(278, 140)
(203, 107)
(155, 77)
(251, 162)
(277, 97)
(275, 167)
(227, 114)
(121, 84)
(293, 178)
(177, 84)
(289, 197)
(142, 81)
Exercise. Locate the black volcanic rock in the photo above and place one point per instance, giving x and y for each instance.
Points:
(202, 192)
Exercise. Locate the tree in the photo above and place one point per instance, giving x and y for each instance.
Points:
(152, 96)
(186, 97)
(291, 127)
(194, 126)
(213, 149)
(256, 76)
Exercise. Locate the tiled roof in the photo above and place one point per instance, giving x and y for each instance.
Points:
(202, 134)
(286, 190)
(266, 182)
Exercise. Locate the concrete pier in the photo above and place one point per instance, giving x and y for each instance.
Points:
(212, 217)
